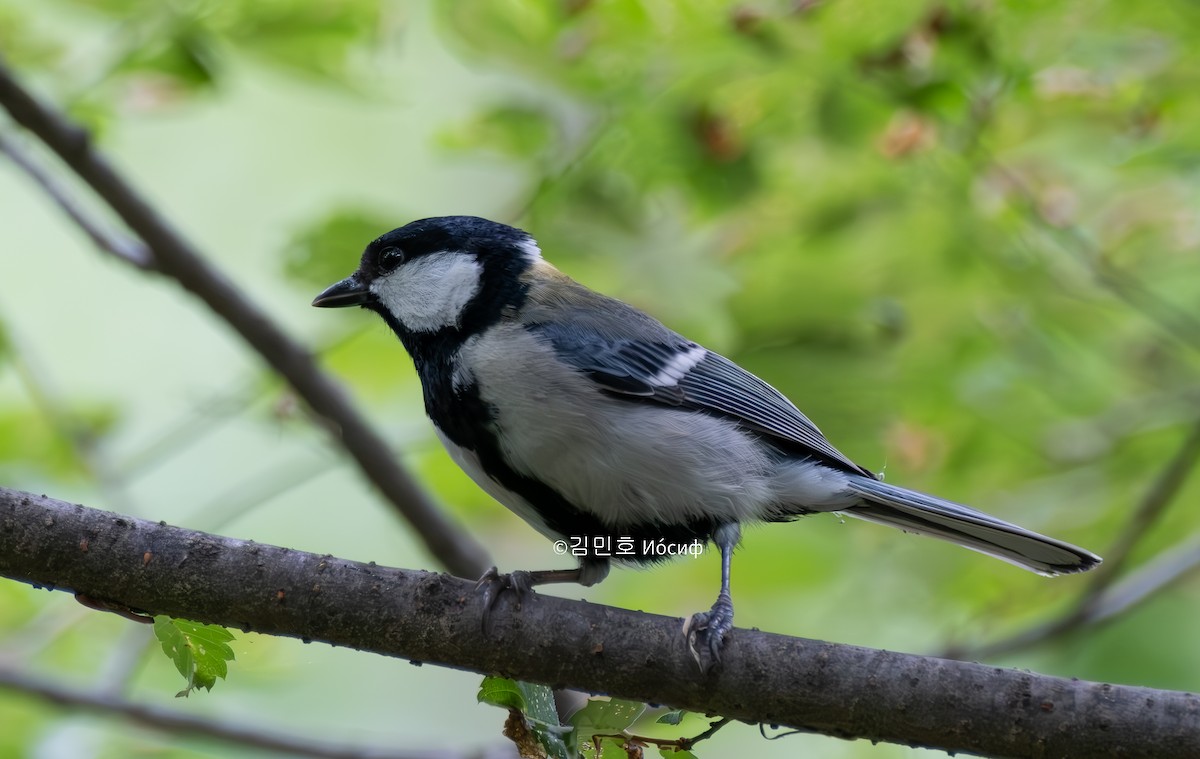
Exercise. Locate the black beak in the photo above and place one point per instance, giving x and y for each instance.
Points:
(349, 292)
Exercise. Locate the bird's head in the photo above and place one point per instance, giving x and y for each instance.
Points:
(446, 273)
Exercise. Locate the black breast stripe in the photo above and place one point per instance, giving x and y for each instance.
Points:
(469, 422)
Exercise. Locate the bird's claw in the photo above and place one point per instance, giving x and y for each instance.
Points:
(711, 627)
(493, 584)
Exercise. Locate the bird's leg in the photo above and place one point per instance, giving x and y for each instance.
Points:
(715, 624)
(590, 571)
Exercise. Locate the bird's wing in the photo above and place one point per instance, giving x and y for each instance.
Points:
(674, 371)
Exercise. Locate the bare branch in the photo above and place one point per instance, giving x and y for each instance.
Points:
(838, 690)
(1162, 491)
(1104, 597)
(178, 723)
(1120, 597)
(1138, 586)
(128, 250)
(175, 257)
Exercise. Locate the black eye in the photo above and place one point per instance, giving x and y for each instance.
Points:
(390, 258)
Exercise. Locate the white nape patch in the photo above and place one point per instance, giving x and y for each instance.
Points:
(530, 248)
(430, 292)
(678, 366)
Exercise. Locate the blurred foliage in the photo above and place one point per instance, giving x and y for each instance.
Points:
(961, 235)
(21, 44)
(183, 41)
(28, 445)
(320, 254)
(511, 130)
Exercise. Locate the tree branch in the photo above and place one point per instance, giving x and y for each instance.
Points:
(173, 256)
(171, 721)
(838, 690)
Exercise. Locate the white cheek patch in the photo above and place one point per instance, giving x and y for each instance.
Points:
(431, 292)
(678, 366)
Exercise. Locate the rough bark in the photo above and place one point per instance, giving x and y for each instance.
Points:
(838, 690)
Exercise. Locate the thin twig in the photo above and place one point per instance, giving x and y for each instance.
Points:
(130, 251)
(630, 740)
(175, 257)
(1103, 593)
(178, 723)
(1162, 491)
(1135, 588)
(205, 415)
(1138, 586)
(710, 732)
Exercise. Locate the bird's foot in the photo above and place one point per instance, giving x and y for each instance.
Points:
(710, 629)
(493, 584)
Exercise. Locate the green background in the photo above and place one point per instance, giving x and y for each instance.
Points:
(962, 237)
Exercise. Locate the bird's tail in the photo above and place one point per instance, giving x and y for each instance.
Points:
(911, 511)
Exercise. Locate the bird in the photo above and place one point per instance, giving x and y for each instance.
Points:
(600, 426)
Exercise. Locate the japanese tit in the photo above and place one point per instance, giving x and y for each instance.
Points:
(595, 423)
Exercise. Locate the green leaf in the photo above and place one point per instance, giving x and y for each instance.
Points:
(536, 702)
(606, 715)
(672, 718)
(199, 651)
(502, 692)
